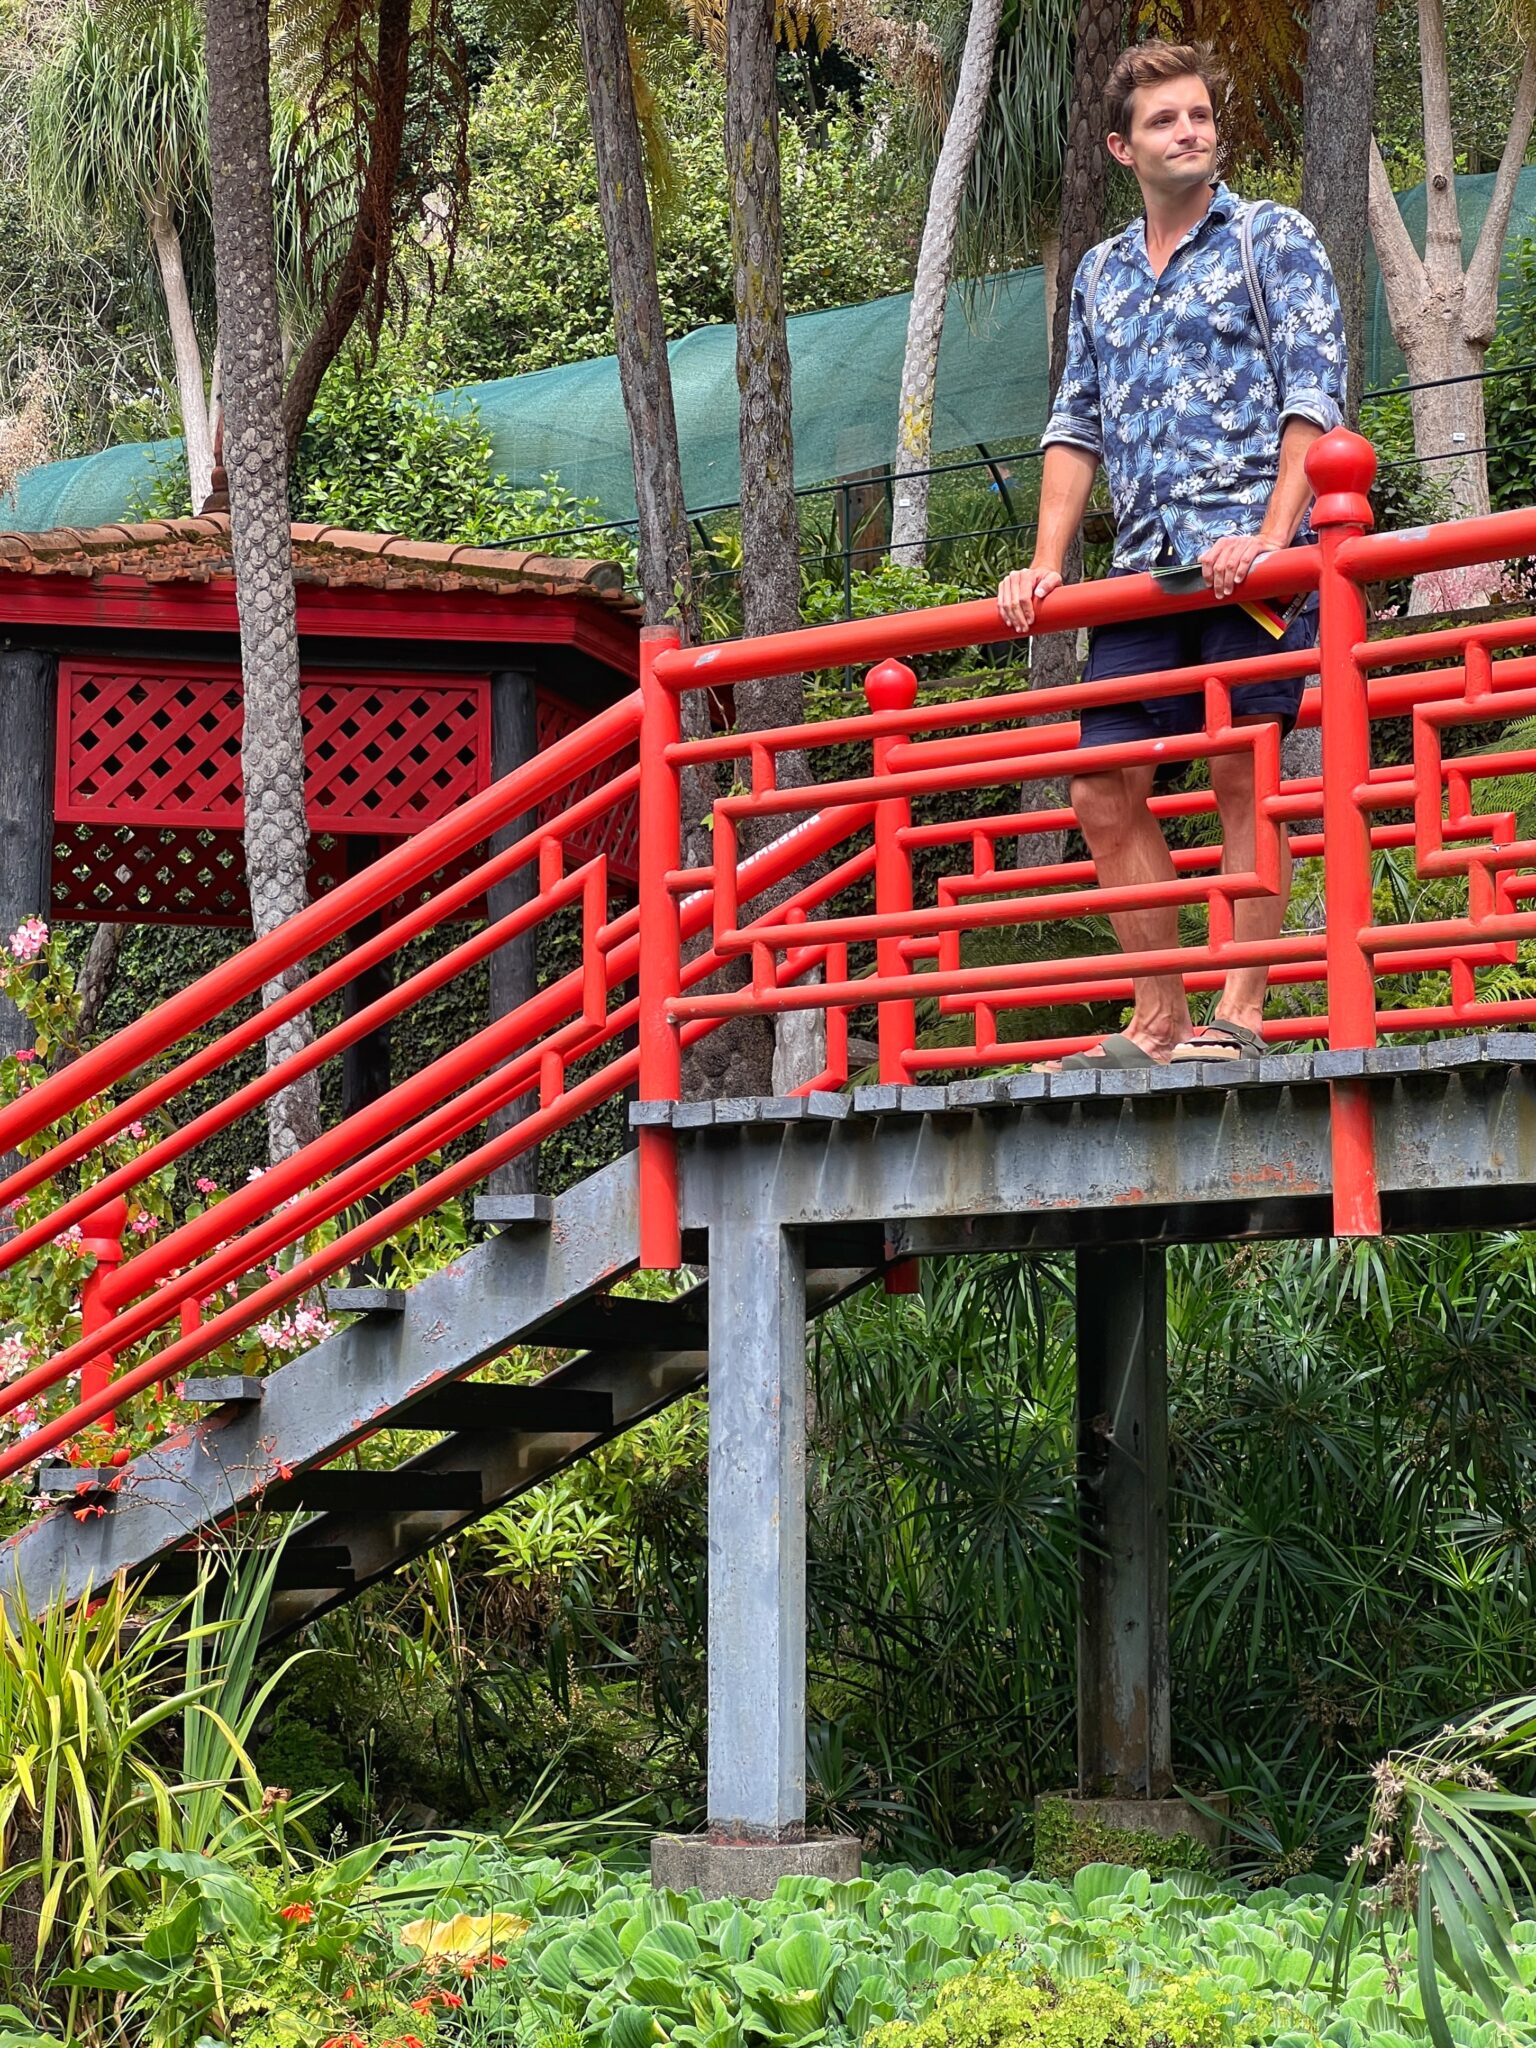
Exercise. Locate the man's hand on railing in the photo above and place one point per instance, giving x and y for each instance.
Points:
(1020, 592)
(1227, 561)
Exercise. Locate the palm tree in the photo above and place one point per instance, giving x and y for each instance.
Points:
(930, 287)
(116, 135)
(255, 457)
(665, 565)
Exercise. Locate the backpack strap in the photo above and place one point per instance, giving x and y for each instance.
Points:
(1249, 261)
(1091, 288)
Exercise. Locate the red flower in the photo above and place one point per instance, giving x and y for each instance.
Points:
(403, 2041)
(300, 1911)
(498, 1962)
(345, 2041)
(445, 1998)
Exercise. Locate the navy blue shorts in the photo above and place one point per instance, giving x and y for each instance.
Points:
(1141, 646)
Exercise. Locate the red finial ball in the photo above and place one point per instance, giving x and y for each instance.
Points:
(890, 687)
(1341, 468)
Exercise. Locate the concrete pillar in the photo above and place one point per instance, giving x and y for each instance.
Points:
(1123, 1723)
(27, 700)
(513, 977)
(756, 1533)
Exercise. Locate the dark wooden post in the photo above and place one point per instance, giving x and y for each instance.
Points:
(513, 978)
(365, 1064)
(1124, 1743)
(26, 804)
(27, 716)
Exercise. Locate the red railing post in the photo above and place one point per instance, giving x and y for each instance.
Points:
(892, 687)
(1341, 467)
(101, 1234)
(661, 842)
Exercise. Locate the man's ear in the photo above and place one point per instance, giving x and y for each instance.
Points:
(1119, 149)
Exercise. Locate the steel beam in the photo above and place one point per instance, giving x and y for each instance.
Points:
(1179, 1161)
(757, 1301)
(1123, 1703)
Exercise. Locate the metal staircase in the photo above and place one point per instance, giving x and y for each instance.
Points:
(404, 1365)
(866, 890)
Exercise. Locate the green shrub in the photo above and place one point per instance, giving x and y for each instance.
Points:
(994, 2007)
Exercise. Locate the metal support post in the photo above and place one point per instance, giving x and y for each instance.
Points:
(512, 969)
(756, 1532)
(1124, 1743)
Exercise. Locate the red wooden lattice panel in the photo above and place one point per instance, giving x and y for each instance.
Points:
(148, 787)
(617, 834)
(141, 745)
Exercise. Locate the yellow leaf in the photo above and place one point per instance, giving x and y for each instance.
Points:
(466, 1934)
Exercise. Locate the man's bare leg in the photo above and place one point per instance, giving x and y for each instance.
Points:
(1253, 917)
(1129, 851)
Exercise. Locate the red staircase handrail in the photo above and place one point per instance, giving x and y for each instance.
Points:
(832, 872)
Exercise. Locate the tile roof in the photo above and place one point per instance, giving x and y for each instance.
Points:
(198, 551)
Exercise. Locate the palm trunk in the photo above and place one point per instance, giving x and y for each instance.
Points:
(1338, 109)
(930, 287)
(255, 459)
(191, 394)
(645, 378)
(1097, 40)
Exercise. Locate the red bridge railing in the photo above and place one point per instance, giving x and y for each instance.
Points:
(864, 890)
(944, 780)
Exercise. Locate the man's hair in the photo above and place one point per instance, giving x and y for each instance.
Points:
(1152, 64)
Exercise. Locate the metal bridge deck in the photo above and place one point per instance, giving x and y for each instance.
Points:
(1173, 1154)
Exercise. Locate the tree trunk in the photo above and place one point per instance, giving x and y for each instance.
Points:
(1443, 314)
(930, 287)
(191, 394)
(739, 1060)
(255, 459)
(98, 974)
(1097, 40)
(1339, 97)
(645, 377)
(362, 271)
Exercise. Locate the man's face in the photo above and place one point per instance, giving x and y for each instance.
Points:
(1171, 143)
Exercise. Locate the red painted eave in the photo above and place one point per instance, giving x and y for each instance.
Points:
(507, 618)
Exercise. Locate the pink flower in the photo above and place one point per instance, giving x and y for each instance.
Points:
(205, 1186)
(141, 1226)
(26, 1055)
(28, 939)
(135, 1130)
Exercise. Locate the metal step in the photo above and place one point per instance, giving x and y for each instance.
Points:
(623, 1322)
(343, 1491)
(515, 1212)
(222, 1393)
(472, 1405)
(301, 1568)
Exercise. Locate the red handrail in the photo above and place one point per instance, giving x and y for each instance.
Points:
(875, 877)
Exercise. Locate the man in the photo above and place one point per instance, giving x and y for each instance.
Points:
(1201, 405)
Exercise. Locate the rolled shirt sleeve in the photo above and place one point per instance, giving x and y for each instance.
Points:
(1075, 418)
(1306, 322)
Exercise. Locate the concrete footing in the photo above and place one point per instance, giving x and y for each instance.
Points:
(1164, 1818)
(748, 1870)
(1150, 1834)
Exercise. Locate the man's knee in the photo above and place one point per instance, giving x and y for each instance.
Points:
(1105, 803)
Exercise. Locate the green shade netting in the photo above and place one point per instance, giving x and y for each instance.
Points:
(846, 376)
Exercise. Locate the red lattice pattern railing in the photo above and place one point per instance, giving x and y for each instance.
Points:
(876, 881)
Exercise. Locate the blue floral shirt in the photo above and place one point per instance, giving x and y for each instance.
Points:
(1173, 390)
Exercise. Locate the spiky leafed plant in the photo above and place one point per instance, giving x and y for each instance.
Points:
(116, 133)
